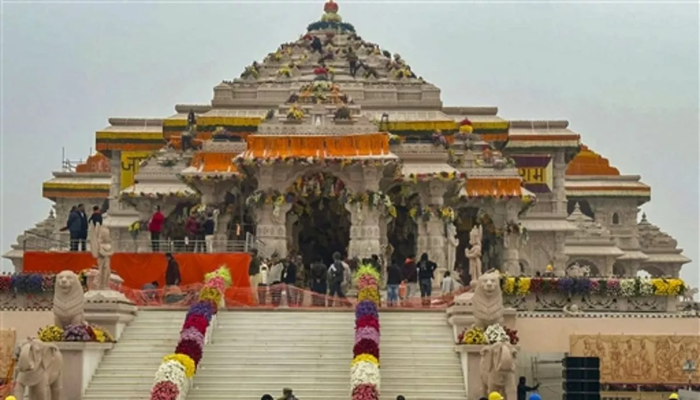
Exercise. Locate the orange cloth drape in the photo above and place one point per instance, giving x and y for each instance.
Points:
(374, 144)
(214, 162)
(138, 269)
(496, 187)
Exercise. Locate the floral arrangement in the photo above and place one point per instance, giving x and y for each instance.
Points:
(172, 377)
(372, 200)
(442, 176)
(75, 333)
(493, 334)
(295, 113)
(307, 161)
(27, 283)
(285, 71)
(364, 370)
(447, 214)
(466, 127)
(626, 287)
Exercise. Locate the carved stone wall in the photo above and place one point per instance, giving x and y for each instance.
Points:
(271, 229)
(639, 359)
(538, 250)
(591, 303)
(364, 232)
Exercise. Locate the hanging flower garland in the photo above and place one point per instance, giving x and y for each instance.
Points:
(443, 176)
(177, 370)
(309, 161)
(611, 287)
(446, 214)
(365, 378)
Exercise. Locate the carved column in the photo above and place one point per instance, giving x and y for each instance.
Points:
(559, 183)
(115, 166)
(560, 257)
(271, 229)
(431, 233)
(364, 231)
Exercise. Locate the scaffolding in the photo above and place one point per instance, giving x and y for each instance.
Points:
(548, 374)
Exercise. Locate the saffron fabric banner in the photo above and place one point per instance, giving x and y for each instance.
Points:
(138, 269)
(648, 359)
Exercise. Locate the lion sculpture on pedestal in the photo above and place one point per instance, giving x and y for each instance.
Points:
(68, 300)
(487, 300)
(497, 369)
(39, 368)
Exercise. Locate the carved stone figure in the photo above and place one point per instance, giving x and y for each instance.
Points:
(497, 369)
(571, 310)
(101, 249)
(474, 253)
(689, 295)
(451, 244)
(488, 300)
(39, 368)
(68, 300)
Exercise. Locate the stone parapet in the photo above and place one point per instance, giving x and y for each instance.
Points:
(110, 310)
(39, 301)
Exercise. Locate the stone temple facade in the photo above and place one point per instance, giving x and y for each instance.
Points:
(332, 143)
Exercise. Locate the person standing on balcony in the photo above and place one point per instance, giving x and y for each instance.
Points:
(83, 227)
(336, 278)
(276, 270)
(73, 228)
(191, 229)
(319, 274)
(426, 273)
(254, 276)
(410, 275)
(96, 217)
(289, 277)
(155, 227)
(393, 281)
(208, 226)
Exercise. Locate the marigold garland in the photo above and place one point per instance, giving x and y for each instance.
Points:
(365, 358)
(364, 372)
(611, 287)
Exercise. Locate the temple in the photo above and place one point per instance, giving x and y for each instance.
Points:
(332, 143)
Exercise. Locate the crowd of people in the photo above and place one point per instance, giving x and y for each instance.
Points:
(329, 284)
(77, 225)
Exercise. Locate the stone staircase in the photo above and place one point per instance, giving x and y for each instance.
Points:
(258, 352)
(417, 357)
(127, 371)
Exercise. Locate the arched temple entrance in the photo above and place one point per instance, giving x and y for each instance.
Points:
(320, 223)
(402, 231)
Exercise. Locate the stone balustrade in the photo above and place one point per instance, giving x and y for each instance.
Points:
(38, 301)
(591, 302)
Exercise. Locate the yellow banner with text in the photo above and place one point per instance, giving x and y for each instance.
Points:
(130, 162)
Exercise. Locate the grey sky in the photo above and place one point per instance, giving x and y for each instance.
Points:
(625, 76)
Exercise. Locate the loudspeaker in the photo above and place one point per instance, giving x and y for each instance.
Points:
(581, 378)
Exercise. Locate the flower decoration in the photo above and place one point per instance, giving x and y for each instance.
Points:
(295, 113)
(5, 283)
(102, 335)
(177, 368)
(51, 333)
(512, 336)
(496, 334)
(27, 283)
(364, 370)
(472, 336)
(78, 333)
(165, 390)
(465, 126)
(186, 362)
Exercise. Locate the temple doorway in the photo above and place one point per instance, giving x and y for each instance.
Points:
(322, 227)
(402, 231)
(491, 242)
(318, 219)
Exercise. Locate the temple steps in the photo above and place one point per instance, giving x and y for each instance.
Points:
(126, 372)
(424, 368)
(253, 353)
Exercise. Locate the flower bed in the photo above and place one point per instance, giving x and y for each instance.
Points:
(364, 371)
(75, 333)
(493, 334)
(613, 287)
(27, 283)
(176, 371)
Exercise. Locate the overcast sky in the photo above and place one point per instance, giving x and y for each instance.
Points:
(624, 75)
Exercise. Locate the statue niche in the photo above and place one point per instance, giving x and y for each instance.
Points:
(39, 369)
(491, 245)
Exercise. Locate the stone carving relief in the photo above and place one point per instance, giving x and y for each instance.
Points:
(68, 300)
(39, 369)
(474, 253)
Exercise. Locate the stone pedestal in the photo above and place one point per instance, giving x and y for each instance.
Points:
(364, 231)
(109, 309)
(80, 360)
(461, 314)
(115, 281)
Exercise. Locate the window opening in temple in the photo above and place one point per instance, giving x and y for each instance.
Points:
(402, 231)
(242, 222)
(586, 208)
(320, 223)
(491, 242)
(616, 219)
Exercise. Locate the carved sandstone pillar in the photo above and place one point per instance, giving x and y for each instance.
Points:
(560, 257)
(272, 229)
(507, 212)
(559, 189)
(364, 231)
(431, 234)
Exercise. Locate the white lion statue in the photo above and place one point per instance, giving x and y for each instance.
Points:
(488, 300)
(68, 300)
